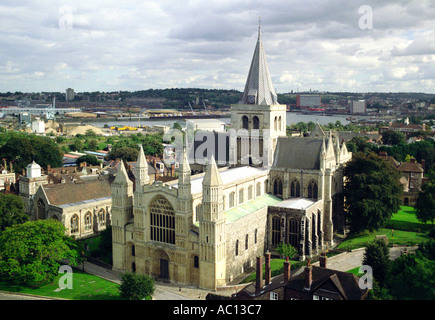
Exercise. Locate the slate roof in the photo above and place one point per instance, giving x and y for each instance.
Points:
(329, 283)
(66, 193)
(410, 167)
(298, 153)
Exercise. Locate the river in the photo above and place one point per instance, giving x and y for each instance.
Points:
(292, 118)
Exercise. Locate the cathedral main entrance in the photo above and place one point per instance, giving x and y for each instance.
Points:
(164, 269)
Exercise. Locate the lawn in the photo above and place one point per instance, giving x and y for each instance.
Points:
(406, 220)
(399, 237)
(407, 231)
(276, 267)
(85, 287)
(355, 271)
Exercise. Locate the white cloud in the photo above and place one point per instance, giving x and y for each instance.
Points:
(114, 45)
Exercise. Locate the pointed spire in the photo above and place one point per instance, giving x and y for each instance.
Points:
(259, 88)
(141, 160)
(184, 165)
(212, 176)
(122, 176)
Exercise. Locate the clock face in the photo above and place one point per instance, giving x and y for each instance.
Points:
(251, 99)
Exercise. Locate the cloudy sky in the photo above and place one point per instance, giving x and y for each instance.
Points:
(328, 45)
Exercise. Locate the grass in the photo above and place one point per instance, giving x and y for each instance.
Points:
(407, 231)
(355, 271)
(276, 268)
(406, 220)
(85, 287)
(399, 237)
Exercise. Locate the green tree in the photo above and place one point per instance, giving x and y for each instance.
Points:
(11, 211)
(77, 145)
(286, 250)
(390, 137)
(372, 192)
(90, 133)
(124, 153)
(412, 278)
(136, 286)
(30, 252)
(89, 159)
(377, 256)
(93, 145)
(425, 204)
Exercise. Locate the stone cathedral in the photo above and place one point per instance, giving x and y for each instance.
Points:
(206, 229)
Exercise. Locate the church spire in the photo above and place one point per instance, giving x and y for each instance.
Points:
(212, 176)
(259, 88)
(141, 169)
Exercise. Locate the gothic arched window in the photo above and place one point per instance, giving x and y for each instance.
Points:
(74, 223)
(231, 200)
(258, 189)
(162, 217)
(277, 187)
(245, 122)
(295, 189)
(250, 188)
(256, 122)
(276, 230)
(312, 190)
(293, 233)
(88, 220)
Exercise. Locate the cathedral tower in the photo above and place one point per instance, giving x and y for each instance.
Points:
(122, 213)
(212, 231)
(258, 119)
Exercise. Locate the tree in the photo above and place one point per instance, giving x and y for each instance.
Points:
(286, 250)
(136, 286)
(89, 159)
(11, 211)
(90, 133)
(124, 153)
(372, 192)
(392, 137)
(30, 252)
(77, 145)
(377, 256)
(93, 145)
(412, 277)
(425, 204)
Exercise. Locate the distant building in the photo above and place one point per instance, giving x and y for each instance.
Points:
(305, 101)
(206, 124)
(69, 94)
(38, 126)
(358, 106)
(7, 178)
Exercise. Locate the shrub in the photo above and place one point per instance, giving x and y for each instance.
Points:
(136, 286)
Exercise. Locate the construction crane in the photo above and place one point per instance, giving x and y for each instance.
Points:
(206, 111)
(50, 111)
(191, 108)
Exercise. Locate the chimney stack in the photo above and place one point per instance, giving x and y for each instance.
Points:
(323, 259)
(423, 163)
(308, 275)
(268, 275)
(287, 268)
(259, 275)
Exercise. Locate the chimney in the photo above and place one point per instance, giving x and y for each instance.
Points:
(48, 168)
(7, 186)
(10, 165)
(267, 268)
(423, 163)
(323, 259)
(308, 275)
(287, 268)
(412, 160)
(172, 170)
(259, 275)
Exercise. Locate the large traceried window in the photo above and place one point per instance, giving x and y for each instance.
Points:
(162, 217)
(276, 230)
(293, 233)
(74, 223)
(88, 221)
